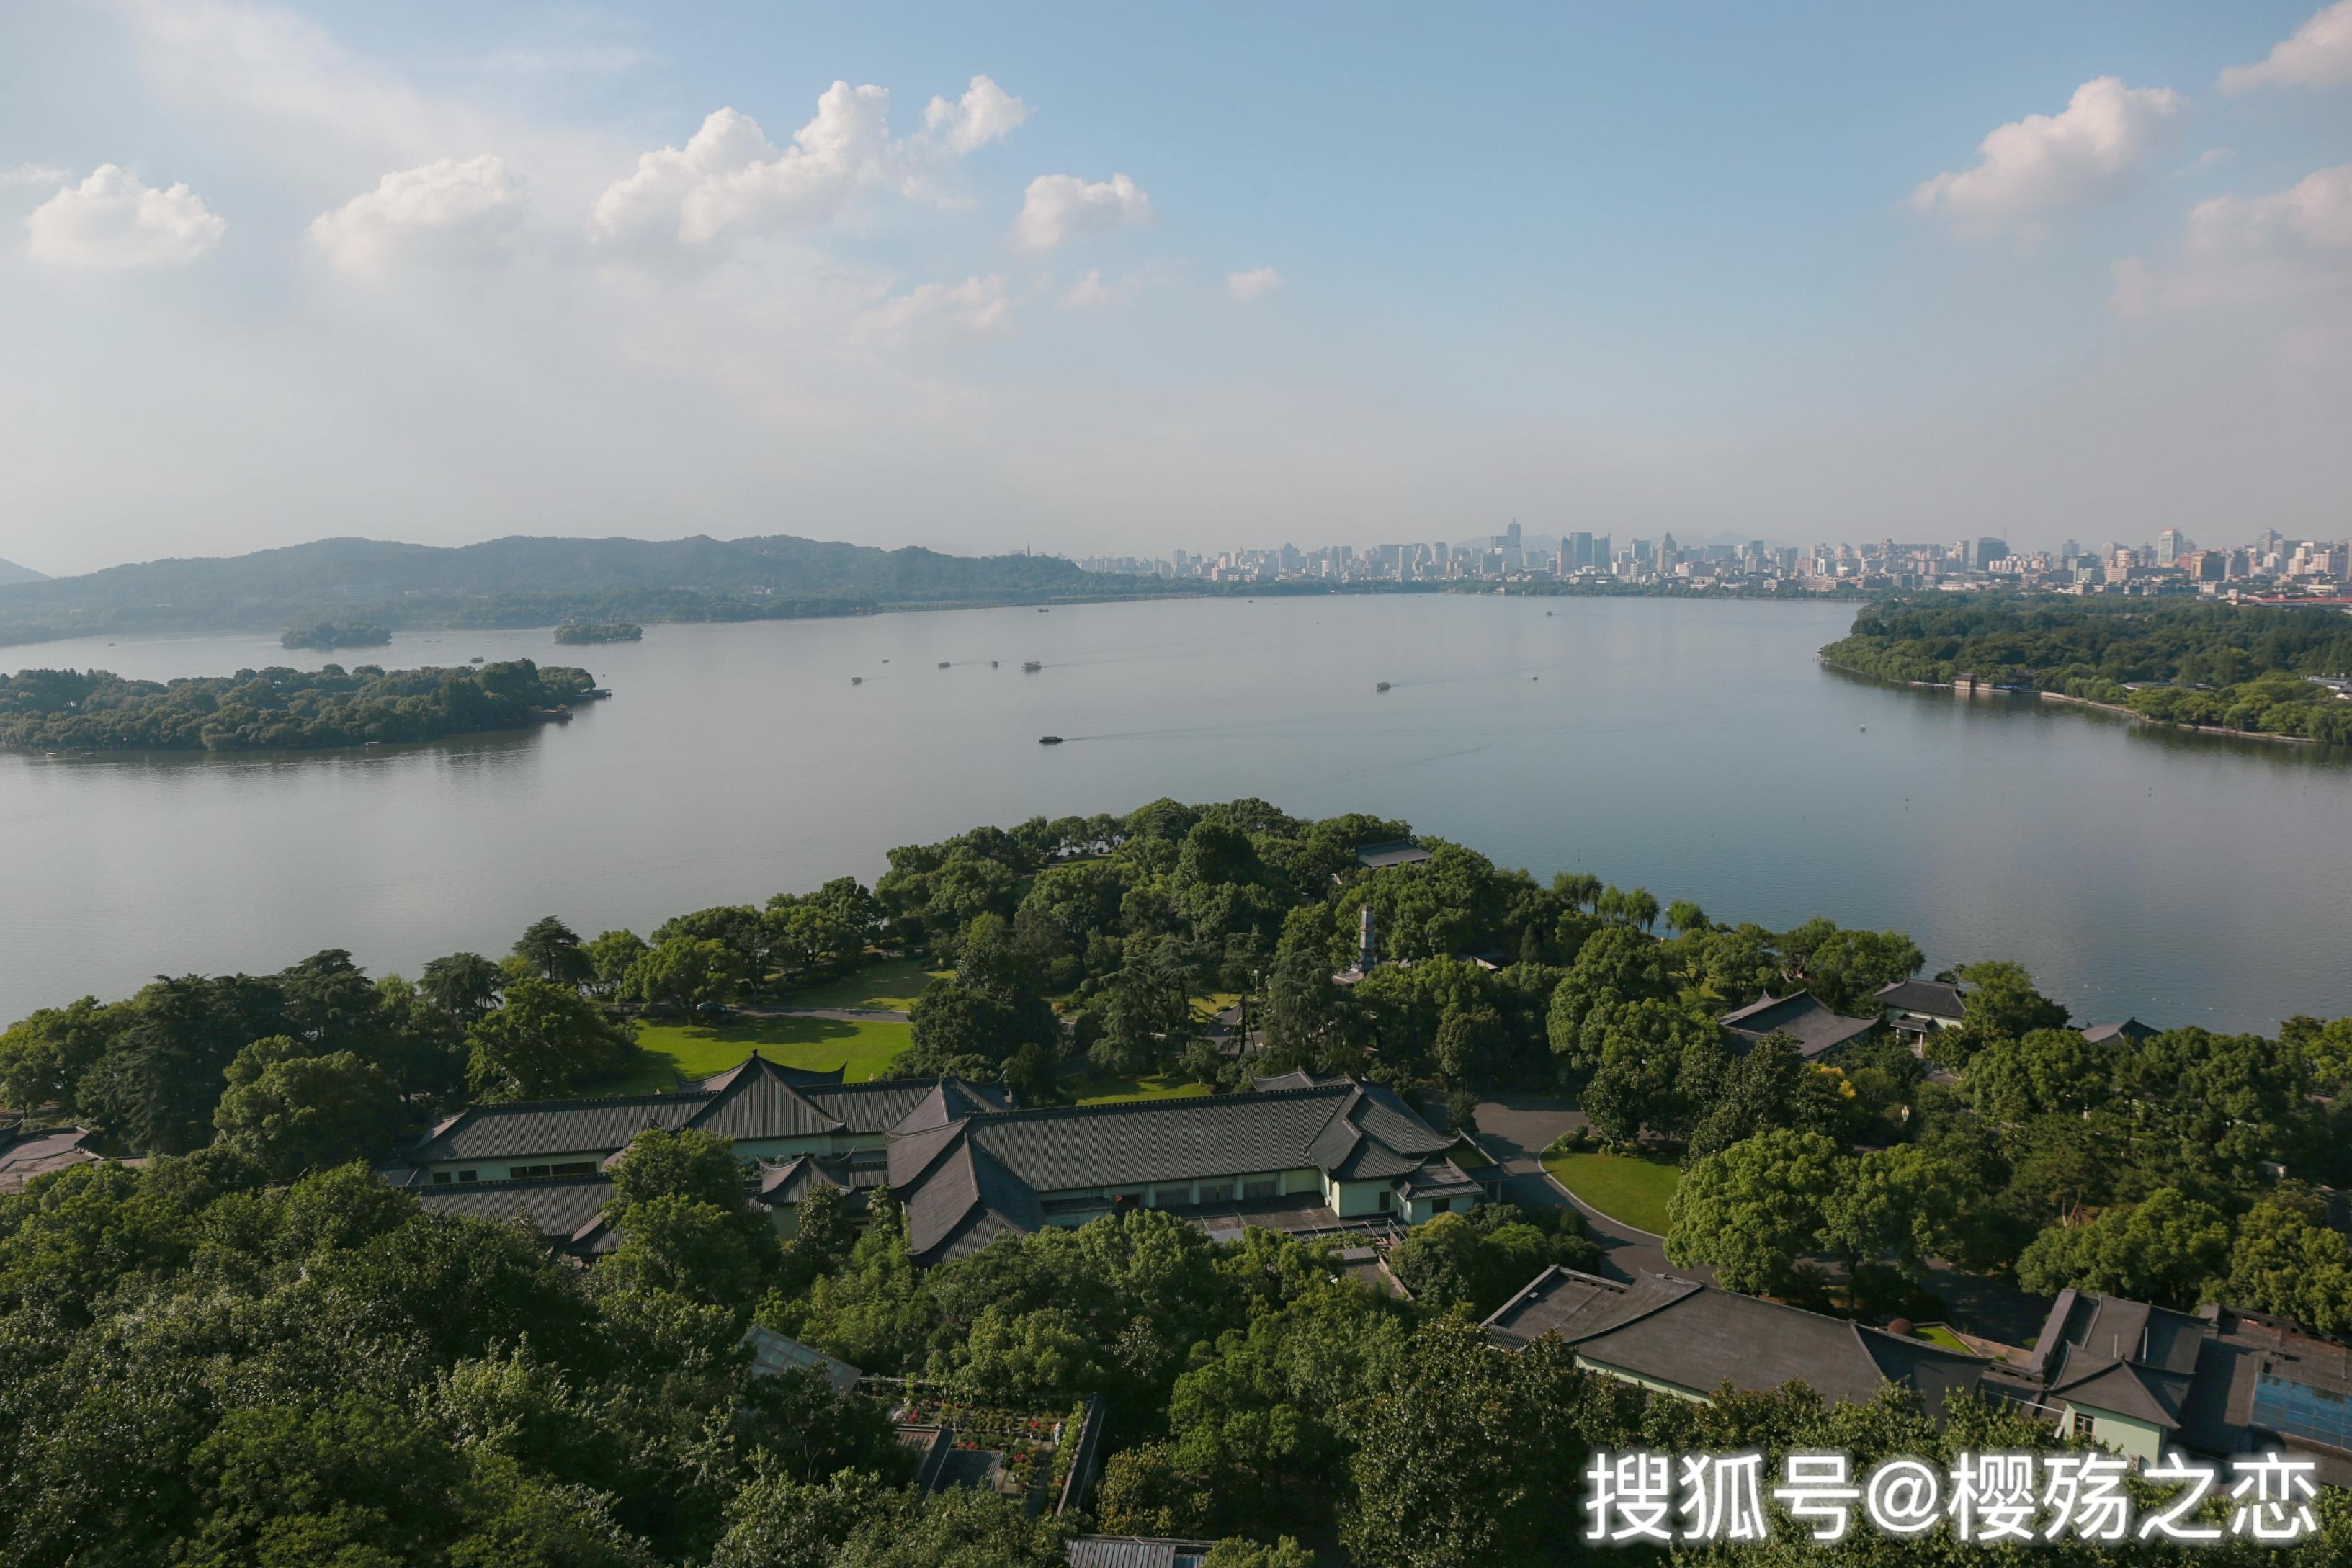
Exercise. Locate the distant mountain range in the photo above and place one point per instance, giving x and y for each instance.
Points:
(11, 572)
(524, 582)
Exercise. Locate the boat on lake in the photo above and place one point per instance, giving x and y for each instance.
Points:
(858, 680)
(1049, 740)
(944, 664)
(1382, 688)
(1031, 666)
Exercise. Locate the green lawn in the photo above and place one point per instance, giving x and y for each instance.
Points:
(1632, 1188)
(887, 985)
(1093, 1090)
(678, 1052)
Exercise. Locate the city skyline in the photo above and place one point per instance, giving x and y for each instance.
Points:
(269, 273)
(2173, 562)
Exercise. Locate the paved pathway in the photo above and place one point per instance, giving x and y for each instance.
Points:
(1517, 1129)
(840, 1014)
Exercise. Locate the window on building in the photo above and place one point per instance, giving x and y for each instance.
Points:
(469, 1176)
(1216, 1192)
(1262, 1187)
(574, 1168)
(440, 1178)
(1388, 1200)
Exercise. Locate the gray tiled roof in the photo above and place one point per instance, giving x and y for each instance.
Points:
(24, 1156)
(557, 1206)
(799, 1077)
(967, 1182)
(966, 1201)
(760, 1102)
(2095, 1380)
(2197, 1376)
(1160, 1140)
(555, 1126)
(947, 1100)
(1699, 1337)
(1800, 1016)
(791, 1180)
(1134, 1552)
(1935, 999)
(915, 1153)
(759, 1099)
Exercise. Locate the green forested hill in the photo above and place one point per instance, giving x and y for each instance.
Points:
(526, 581)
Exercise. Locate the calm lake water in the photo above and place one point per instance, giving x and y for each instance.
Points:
(1695, 748)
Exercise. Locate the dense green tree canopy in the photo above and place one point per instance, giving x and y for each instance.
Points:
(543, 1039)
(2249, 660)
(276, 707)
(1754, 1210)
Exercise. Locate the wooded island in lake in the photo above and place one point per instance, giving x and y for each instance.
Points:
(278, 708)
(578, 632)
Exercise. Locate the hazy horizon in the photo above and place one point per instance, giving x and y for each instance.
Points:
(1121, 283)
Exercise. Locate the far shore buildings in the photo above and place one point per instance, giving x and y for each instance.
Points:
(1302, 1154)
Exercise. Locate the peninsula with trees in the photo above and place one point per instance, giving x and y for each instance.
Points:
(2247, 668)
(1183, 1136)
(280, 709)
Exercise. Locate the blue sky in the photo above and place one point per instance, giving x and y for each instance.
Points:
(1152, 278)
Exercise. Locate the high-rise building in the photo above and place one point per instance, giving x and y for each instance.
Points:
(2167, 547)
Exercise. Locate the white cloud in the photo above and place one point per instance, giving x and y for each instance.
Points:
(1254, 285)
(35, 174)
(450, 209)
(2319, 55)
(1060, 207)
(2291, 245)
(985, 113)
(981, 307)
(2045, 162)
(729, 176)
(729, 173)
(111, 219)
